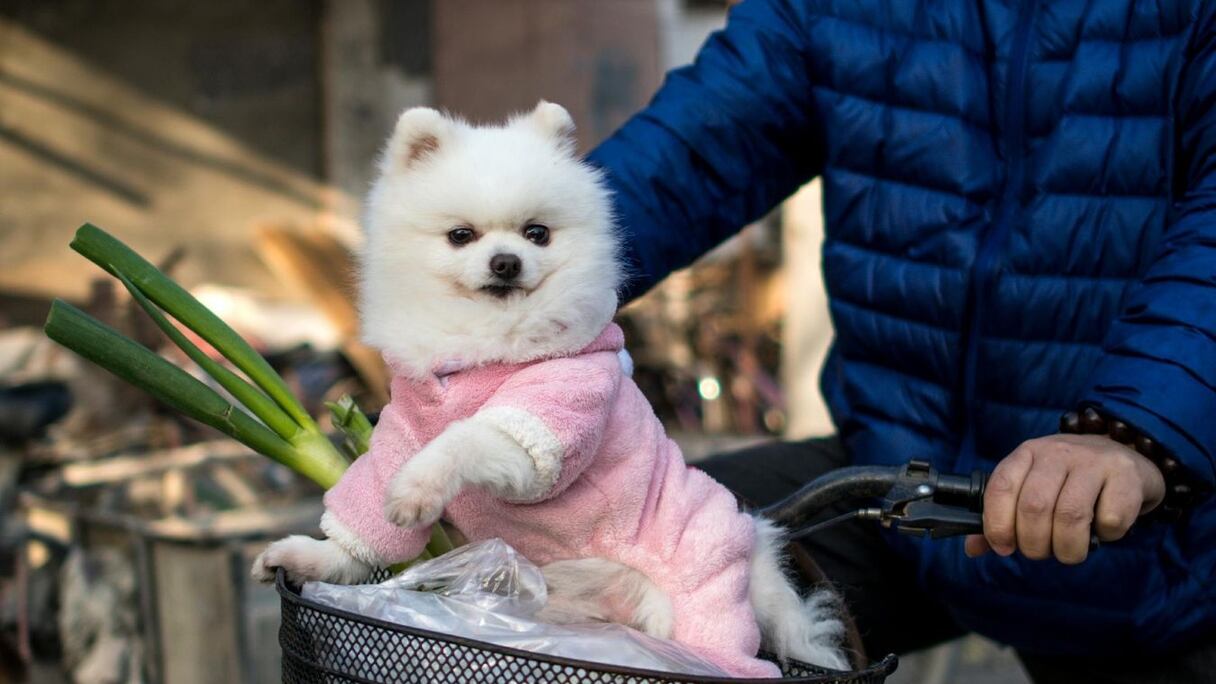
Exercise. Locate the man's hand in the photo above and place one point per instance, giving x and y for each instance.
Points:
(1044, 498)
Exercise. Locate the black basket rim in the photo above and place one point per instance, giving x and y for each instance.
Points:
(292, 595)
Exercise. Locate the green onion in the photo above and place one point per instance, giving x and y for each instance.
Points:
(115, 257)
(107, 348)
(247, 394)
(353, 424)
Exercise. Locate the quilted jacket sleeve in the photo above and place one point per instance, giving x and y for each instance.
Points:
(722, 143)
(1159, 372)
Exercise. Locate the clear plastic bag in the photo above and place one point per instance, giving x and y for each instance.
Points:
(489, 592)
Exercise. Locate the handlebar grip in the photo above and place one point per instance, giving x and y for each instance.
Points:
(966, 491)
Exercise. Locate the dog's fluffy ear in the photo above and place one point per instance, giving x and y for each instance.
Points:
(419, 134)
(554, 121)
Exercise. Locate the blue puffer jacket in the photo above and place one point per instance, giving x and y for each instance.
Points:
(1020, 202)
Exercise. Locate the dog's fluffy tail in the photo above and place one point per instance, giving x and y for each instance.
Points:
(807, 629)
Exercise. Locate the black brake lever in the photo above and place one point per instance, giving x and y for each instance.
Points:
(923, 502)
(927, 518)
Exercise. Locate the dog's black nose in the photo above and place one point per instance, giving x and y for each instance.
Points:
(505, 266)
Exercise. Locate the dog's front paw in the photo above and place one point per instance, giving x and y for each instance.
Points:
(414, 504)
(263, 569)
(305, 559)
(420, 491)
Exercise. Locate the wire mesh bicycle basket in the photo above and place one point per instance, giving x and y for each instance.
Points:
(325, 645)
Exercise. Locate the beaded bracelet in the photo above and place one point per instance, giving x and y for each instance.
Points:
(1182, 488)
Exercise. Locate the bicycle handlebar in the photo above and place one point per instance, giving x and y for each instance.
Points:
(915, 499)
(842, 484)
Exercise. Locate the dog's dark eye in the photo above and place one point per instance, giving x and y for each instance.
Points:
(537, 234)
(461, 236)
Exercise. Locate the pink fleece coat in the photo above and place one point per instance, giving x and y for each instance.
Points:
(618, 488)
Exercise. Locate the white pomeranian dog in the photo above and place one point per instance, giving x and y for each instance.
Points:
(489, 280)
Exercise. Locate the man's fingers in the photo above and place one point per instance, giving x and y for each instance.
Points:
(975, 545)
(1001, 498)
(1072, 520)
(1036, 507)
(1118, 505)
(1051, 494)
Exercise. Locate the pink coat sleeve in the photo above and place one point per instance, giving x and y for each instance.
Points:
(354, 508)
(557, 410)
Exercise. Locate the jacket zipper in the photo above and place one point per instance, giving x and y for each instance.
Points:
(986, 266)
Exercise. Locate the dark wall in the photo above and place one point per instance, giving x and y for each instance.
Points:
(248, 68)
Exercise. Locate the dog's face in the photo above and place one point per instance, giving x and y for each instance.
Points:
(486, 243)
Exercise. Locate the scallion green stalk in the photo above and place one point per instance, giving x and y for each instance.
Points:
(115, 257)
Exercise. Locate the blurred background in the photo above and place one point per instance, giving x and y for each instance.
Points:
(231, 142)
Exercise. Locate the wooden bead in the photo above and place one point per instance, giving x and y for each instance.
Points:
(1120, 432)
(1145, 445)
(1070, 423)
(1092, 422)
(1089, 422)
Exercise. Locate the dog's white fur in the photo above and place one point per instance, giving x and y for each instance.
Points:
(422, 299)
(599, 589)
(807, 629)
